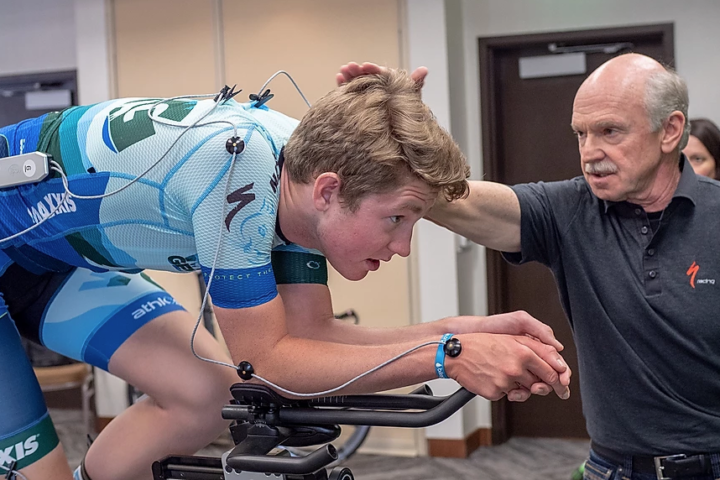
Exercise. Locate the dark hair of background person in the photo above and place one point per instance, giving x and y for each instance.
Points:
(709, 134)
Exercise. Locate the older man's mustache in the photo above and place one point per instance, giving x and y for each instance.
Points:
(603, 167)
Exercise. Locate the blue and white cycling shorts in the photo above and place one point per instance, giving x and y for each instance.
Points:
(78, 313)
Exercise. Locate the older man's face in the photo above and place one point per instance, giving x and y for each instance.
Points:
(619, 153)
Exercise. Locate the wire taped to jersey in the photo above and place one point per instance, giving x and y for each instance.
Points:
(225, 94)
(54, 166)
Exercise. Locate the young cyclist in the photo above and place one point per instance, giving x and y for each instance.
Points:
(257, 202)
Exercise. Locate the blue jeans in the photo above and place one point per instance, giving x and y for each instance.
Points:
(597, 468)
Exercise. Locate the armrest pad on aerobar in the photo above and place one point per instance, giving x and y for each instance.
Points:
(260, 395)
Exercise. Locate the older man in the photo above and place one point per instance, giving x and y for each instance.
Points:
(632, 246)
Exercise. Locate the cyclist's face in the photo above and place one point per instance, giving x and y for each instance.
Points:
(356, 242)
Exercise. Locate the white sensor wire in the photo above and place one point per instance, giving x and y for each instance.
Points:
(283, 72)
(13, 472)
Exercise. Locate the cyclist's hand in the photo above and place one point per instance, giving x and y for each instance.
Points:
(493, 365)
(514, 323)
(518, 323)
(352, 70)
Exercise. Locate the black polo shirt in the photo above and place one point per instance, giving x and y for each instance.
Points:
(644, 306)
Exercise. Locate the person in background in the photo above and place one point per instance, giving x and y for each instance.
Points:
(703, 148)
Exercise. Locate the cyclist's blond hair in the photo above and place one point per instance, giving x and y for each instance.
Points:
(376, 133)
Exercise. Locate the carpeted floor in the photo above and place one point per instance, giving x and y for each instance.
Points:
(518, 459)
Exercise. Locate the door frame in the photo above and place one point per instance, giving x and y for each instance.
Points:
(489, 114)
(34, 82)
(28, 82)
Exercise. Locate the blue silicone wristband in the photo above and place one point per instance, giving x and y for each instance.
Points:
(440, 356)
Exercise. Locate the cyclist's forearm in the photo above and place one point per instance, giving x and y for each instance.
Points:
(489, 365)
(260, 335)
(309, 366)
(339, 331)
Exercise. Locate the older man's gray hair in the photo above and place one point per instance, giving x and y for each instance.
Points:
(665, 93)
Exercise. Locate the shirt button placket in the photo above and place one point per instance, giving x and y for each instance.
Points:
(651, 267)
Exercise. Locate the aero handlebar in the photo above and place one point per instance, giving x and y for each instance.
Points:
(364, 410)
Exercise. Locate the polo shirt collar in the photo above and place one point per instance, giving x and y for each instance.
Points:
(687, 186)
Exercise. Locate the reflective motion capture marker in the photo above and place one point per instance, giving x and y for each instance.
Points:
(234, 145)
(245, 370)
(453, 347)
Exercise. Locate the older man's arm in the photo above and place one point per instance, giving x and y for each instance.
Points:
(489, 215)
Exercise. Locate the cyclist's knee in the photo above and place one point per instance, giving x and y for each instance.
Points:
(205, 397)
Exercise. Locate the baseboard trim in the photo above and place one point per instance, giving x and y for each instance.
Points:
(460, 448)
(399, 442)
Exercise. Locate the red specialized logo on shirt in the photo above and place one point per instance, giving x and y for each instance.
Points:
(692, 272)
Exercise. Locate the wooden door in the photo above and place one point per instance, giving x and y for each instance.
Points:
(527, 138)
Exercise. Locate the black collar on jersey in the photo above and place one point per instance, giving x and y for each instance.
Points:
(280, 162)
(686, 188)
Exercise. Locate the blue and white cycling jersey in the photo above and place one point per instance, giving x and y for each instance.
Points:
(172, 217)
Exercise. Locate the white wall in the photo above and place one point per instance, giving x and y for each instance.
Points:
(36, 36)
(429, 38)
(93, 50)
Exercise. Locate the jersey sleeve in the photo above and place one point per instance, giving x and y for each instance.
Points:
(295, 264)
(239, 219)
(546, 209)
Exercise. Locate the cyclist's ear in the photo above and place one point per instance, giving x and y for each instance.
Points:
(326, 190)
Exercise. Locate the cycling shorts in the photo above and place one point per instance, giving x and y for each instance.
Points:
(78, 313)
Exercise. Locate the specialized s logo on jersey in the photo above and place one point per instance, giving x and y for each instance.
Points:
(692, 273)
(4, 147)
(242, 198)
(127, 125)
